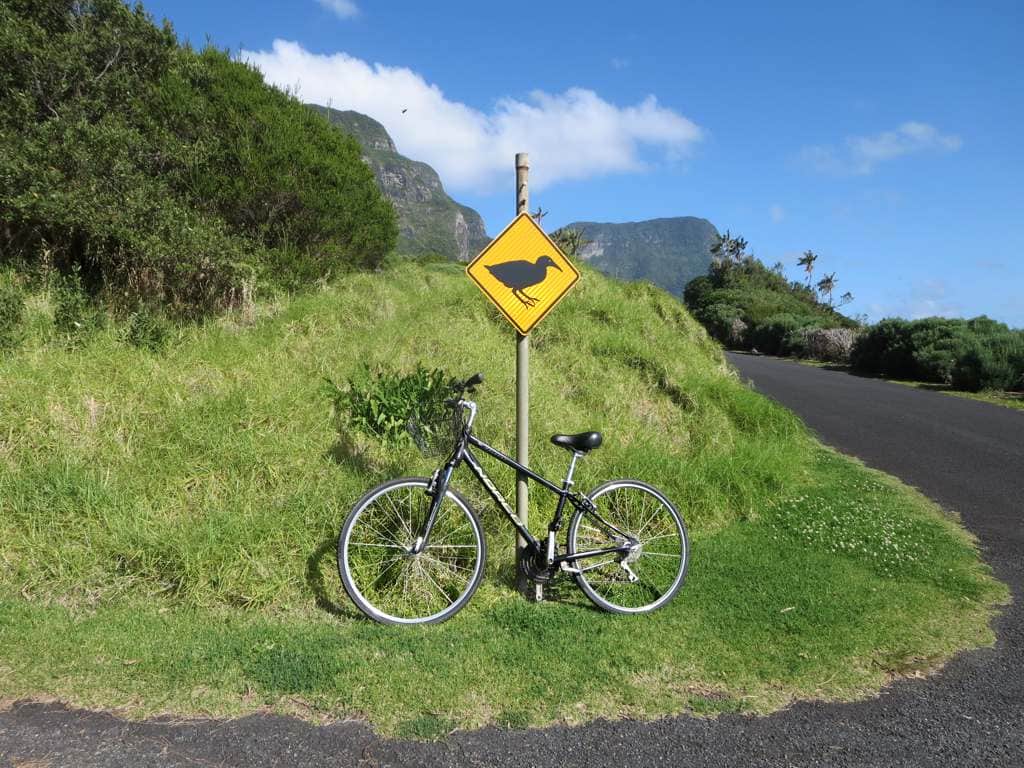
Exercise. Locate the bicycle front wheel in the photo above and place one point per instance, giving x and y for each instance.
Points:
(650, 574)
(381, 574)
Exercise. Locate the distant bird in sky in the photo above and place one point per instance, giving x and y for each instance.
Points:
(521, 274)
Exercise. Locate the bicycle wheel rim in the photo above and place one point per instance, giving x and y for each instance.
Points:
(390, 584)
(644, 513)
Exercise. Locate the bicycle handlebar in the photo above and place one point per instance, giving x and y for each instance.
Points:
(468, 384)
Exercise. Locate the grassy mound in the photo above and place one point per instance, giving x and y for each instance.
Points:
(169, 520)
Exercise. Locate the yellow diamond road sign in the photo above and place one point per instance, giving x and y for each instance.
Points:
(523, 273)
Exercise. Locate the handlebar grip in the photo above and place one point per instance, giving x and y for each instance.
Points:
(472, 381)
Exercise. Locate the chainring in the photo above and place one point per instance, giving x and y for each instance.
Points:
(534, 566)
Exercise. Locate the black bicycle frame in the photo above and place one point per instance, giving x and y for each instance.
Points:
(462, 453)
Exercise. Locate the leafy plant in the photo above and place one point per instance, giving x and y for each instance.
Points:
(382, 402)
(740, 292)
(771, 335)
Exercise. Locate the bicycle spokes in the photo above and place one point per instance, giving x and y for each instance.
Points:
(387, 571)
(631, 516)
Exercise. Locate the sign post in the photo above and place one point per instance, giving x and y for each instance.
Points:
(524, 274)
(523, 401)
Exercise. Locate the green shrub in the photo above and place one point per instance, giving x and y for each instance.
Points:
(884, 347)
(167, 176)
(723, 323)
(75, 316)
(980, 353)
(990, 366)
(12, 312)
(771, 335)
(147, 329)
(382, 402)
(755, 296)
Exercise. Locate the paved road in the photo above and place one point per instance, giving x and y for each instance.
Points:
(967, 455)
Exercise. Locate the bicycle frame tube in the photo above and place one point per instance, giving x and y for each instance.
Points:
(488, 484)
(462, 453)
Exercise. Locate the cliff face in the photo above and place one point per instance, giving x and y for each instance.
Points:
(667, 252)
(429, 220)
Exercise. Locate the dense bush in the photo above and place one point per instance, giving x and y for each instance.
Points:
(966, 354)
(723, 323)
(165, 175)
(771, 335)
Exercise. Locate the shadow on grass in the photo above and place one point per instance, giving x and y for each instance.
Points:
(345, 453)
(315, 579)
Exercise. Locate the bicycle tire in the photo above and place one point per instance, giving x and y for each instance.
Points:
(413, 490)
(603, 584)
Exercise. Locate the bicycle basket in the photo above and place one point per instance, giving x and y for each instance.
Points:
(436, 431)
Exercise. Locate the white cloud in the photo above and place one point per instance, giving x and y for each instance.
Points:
(925, 298)
(777, 212)
(343, 9)
(861, 154)
(570, 135)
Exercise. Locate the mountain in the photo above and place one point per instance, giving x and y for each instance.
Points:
(429, 221)
(667, 252)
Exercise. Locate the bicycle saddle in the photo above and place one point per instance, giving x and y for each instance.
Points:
(582, 442)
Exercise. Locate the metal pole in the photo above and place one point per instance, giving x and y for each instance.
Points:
(524, 585)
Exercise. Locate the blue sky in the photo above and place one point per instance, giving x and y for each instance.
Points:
(886, 137)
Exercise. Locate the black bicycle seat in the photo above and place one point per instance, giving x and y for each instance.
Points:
(582, 442)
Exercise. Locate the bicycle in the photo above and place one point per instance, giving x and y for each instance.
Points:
(412, 550)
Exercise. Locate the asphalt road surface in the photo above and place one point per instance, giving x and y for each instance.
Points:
(969, 456)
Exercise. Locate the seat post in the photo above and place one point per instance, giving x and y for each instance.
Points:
(572, 468)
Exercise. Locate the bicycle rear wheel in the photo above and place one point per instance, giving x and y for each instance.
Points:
(648, 576)
(381, 574)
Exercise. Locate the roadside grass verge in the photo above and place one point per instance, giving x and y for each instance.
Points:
(1013, 400)
(168, 524)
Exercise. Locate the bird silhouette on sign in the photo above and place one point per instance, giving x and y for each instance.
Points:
(521, 274)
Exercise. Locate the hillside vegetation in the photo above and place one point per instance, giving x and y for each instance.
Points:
(169, 521)
(159, 175)
(745, 305)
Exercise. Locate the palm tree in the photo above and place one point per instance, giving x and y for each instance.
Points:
(728, 249)
(807, 262)
(845, 299)
(826, 285)
(570, 241)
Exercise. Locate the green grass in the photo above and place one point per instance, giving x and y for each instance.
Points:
(995, 397)
(169, 520)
